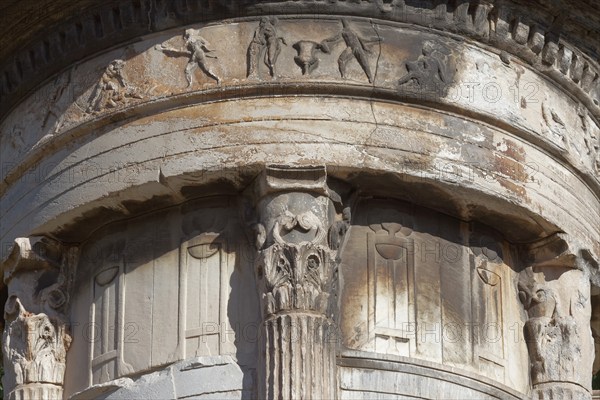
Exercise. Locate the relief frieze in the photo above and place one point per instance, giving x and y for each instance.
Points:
(301, 54)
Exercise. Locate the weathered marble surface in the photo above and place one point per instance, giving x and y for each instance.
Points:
(346, 206)
(94, 96)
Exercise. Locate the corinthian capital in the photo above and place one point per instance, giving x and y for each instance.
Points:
(38, 273)
(299, 224)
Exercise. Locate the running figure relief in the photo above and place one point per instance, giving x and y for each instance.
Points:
(198, 50)
(265, 44)
(356, 47)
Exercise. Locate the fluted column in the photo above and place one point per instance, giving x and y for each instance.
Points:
(38, 272)
(298, 224)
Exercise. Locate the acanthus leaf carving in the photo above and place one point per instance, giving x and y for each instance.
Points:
(34, 345)
(36, 335)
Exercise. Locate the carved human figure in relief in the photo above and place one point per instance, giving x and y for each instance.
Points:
(56, 109)
(198, 50)
(427, 70)
(112, 89)
(266, 44)
(356, 47)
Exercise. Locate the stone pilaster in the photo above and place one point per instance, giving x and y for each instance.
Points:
(298, 232)
(555, 294)
(38, 272)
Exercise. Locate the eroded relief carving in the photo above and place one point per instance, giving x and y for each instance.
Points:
(198, 50)
(36, 335)
(429, 71)
(55, 116)
(553, 335)
(35, 345)
(112, 90)
(590, 137)
(554, 124)
(265, 45)
(296, 271)
(15, 137)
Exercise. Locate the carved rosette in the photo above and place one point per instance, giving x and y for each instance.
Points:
(38, 273)
(298, 233)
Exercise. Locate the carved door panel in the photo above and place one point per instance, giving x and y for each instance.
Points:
(205, 269)
(391, 284)
(488, 318)
(106, 339)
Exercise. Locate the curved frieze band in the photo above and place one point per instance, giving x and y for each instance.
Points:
(298, 56)
(530, 31)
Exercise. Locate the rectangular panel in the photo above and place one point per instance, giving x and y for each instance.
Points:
(104, 323)
(428, 304)
(391, 268)
(203, 299)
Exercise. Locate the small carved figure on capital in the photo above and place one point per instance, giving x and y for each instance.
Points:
(198, 50)
(338, 229)
(553, 337)
(265, 44)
